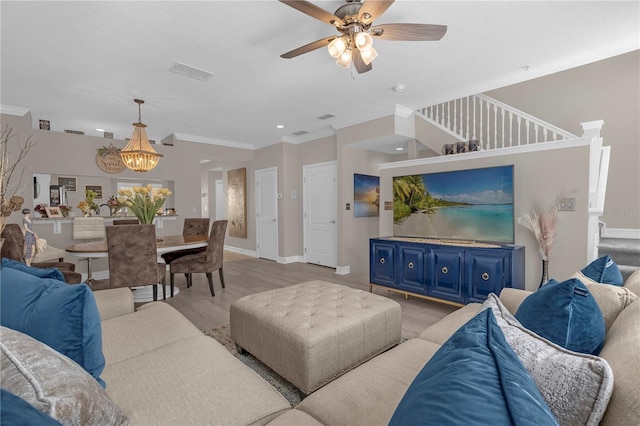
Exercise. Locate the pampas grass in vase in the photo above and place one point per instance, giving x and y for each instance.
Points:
(543, 222)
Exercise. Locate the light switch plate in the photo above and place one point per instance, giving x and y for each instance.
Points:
(567, 205)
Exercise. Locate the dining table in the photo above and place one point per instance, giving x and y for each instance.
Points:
(164, 244)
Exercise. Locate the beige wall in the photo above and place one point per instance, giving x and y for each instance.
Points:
(607, 90)
(538, 178)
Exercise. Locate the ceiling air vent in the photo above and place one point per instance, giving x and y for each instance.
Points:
(74, 132)
(300, 133)
(191, 72)
(325, 117)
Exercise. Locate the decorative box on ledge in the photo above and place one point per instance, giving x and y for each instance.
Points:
(454, 272)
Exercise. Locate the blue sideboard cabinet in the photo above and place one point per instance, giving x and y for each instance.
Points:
(454, 274)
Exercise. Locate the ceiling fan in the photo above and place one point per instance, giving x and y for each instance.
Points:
(354, 22)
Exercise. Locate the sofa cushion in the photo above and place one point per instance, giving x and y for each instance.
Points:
(36, 272)
(475, 378)
(63, 316)
(622, 352)
(193, 381)
(53, 383)
(565, 313)
(602, 270)
(576, 386)
(369, 394)
(16, 411)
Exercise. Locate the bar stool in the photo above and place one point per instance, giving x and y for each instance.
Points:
(88, 229)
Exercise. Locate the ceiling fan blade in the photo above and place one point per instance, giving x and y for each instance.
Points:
(308, 47)
(361, 67)
(410, 32)
(314, 11)
(372, 9)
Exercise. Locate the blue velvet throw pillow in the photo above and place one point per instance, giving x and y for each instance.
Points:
(36, 272)
(475, 378)
(566, 314)
(64, 317)
(15, 411)
(604, 271)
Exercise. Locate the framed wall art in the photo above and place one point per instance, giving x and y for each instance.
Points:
(53, 211)
(366, 195)
(95, 188)
(237, 202)
(70, 183)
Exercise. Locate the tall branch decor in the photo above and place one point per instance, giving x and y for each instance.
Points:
(543, 222)
(10, 173)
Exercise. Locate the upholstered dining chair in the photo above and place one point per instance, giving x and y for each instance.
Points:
(191, 226)
(13, 248)
(126, 221)
(206, 262)
(88, 229)
(133, 257)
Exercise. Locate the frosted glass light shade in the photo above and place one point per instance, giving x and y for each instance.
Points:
(337, 47)
(368, 55)
(345, 59)
(364, 41)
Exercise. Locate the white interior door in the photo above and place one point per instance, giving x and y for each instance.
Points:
(267, 213)
(320, 212)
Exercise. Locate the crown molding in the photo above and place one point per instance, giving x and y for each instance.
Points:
(213, 141)
(14, 110)
(403, 111)
(363, 118)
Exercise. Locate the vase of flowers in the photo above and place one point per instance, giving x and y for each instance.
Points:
(88, 206)
(144, 201)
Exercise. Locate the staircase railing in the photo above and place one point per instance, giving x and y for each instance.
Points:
(491, 122)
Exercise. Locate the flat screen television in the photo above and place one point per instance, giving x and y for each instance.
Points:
(460, 205)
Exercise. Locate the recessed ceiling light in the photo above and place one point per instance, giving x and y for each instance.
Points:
(280, 126)
(100, 130)
(399, 148)
(526, 67)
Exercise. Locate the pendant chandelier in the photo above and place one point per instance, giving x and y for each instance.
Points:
(139, 155)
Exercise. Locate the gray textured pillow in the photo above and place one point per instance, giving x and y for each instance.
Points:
(576, 386)
(53, 383)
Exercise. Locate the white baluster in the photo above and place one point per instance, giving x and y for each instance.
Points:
(455, 117)
(495, 126)
(480, 107)
(535, 129)
(449, 115)
(526, 124)
(474, 117)
(488, 124)
(502, 120)
(510, 128)
(544, 134)
(519, 128)
(468, 117)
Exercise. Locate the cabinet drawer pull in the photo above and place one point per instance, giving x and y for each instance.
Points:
(445, 270)
(382, 260)
(410, 265)
(485, 276)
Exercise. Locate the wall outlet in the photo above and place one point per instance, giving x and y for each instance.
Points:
(348, 206)
(567, 205)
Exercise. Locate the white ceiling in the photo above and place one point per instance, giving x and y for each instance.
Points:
(81, 64)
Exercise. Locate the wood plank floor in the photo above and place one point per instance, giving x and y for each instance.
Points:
(245, 275)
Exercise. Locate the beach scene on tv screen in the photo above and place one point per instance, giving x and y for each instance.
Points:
(469, 205)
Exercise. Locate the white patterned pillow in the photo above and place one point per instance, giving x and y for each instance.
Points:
(53, 383)
(576, 386)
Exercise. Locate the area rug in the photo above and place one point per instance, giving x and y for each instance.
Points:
(223, 335)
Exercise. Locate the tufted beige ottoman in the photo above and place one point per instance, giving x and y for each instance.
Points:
(313, 332)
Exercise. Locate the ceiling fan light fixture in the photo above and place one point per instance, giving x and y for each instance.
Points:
(337, 47)
(368, 55)
(345, 59)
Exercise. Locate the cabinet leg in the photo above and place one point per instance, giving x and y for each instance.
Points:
(406, 296)
(370, 288)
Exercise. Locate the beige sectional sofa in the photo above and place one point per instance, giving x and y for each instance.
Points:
(160, 369)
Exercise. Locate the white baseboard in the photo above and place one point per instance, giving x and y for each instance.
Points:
(292, 259)
(632, 234)
(343, 270)
(239, 250)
